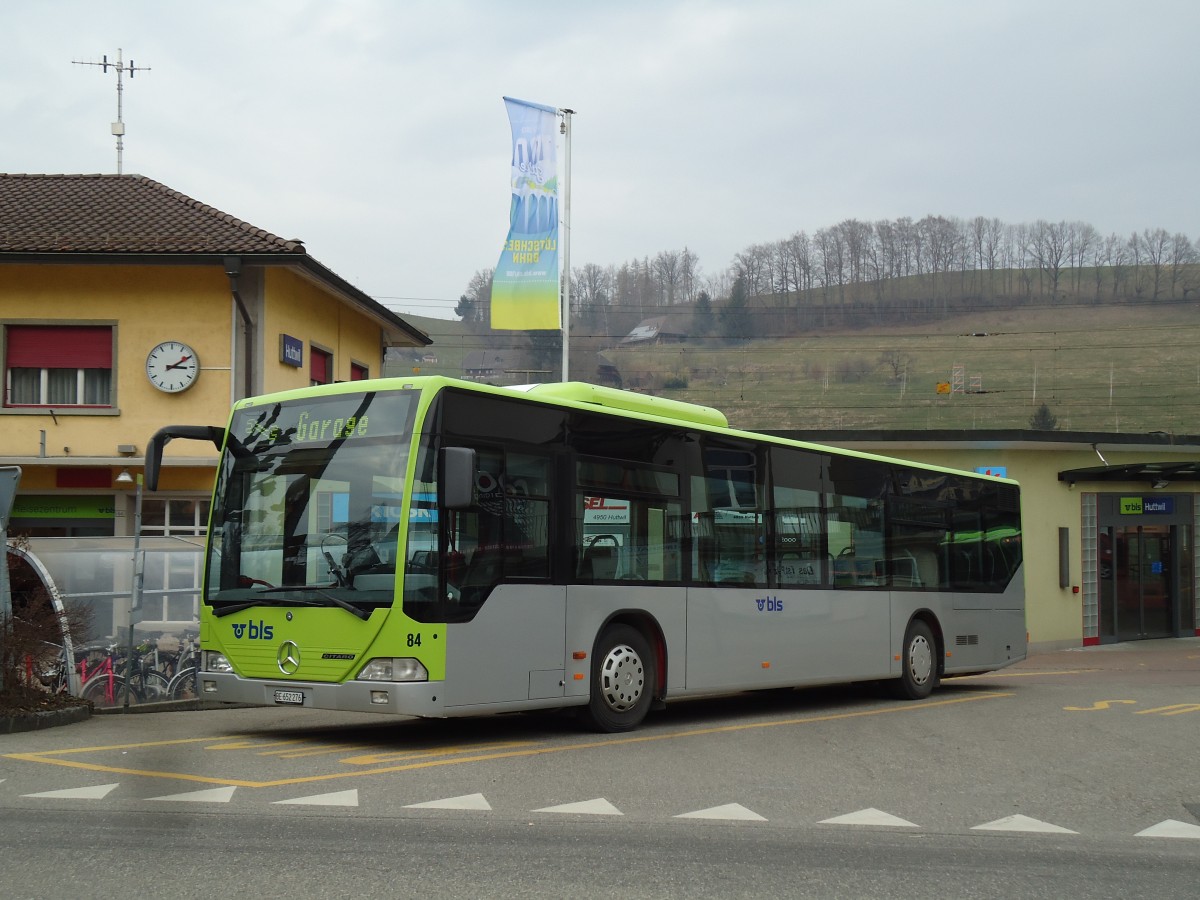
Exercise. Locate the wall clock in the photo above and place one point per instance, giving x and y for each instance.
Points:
(172, 366)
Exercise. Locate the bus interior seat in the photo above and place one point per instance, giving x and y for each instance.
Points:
(927, 566)
(601, 561)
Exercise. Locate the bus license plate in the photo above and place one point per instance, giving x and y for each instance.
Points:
(289, 697)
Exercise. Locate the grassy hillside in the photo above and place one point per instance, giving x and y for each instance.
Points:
(1124, 369)
(1112, 368)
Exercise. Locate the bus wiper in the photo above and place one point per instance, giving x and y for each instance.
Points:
(290, 601)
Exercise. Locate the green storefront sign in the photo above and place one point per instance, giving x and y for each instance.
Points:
(63, 507)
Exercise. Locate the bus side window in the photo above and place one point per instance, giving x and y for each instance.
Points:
(731, 498)
(797, 519)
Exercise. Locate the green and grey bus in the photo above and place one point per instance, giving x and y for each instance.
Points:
(435, 547)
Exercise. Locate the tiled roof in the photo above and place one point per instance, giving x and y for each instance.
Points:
(120, 214)
(114, 215)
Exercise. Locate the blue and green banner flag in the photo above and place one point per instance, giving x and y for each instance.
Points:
(525, 285)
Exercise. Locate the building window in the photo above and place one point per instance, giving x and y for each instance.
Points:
(174, 516)
(320, 366)
(359, 372)
(58, 365)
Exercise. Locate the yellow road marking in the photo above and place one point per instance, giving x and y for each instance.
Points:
(503, 751)
(320, 751)
(1173, 710)
(252, 744)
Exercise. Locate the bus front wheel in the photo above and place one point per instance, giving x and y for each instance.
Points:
(918, 663)
(623, 680)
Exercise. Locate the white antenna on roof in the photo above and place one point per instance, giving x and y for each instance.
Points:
(118, 127)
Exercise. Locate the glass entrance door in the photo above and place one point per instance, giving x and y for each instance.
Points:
(1141, 598)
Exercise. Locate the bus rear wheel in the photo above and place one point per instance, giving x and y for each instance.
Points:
(623, 680)
(918, 663)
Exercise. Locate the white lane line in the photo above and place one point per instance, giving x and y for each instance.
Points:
(99, 792)
(869, 816)
(1023, 823)
(466, 801)
(212, 795)
(597, 807)
(729, 811)
(1171, 828)
(337, 798)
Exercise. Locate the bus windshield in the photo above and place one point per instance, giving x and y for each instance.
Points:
(308, 503)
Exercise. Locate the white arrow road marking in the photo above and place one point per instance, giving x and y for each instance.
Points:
(597, 807)
(99, 792)
(338, 798)
(1171, 828)
(466, 801)
(870, 816)
(212, 795)
(728, 811)
(1023, 823)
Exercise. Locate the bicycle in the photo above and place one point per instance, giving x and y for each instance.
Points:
(47, 670)
(107, 685)
(183, 683)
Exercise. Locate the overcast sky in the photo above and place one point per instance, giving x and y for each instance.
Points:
(374, 130)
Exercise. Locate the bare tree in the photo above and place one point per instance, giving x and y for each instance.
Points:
(753, 266)
(1110, 261)
(1182, 255)
(897, 361)
(666, 270)
(908, 248)
(1134, 246)
(475, 304)
(689, 274)
(1083, 238)
(590, 294)
(831, 255)
(1049, 247)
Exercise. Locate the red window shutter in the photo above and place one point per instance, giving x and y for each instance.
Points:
(357, 372)
(59, 347)
(83, 478)
(319, 366)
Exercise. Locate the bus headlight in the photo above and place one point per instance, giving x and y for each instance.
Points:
(216, 662)
(388, 669)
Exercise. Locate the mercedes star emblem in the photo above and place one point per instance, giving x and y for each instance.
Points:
(288, 657)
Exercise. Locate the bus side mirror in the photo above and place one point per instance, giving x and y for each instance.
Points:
(457, 477)
(162, 437)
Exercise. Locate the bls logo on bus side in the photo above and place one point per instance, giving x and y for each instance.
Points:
(769, 604)
(255, 631)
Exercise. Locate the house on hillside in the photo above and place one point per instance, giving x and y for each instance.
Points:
(658, 330)
(607, 371)
(482, 365)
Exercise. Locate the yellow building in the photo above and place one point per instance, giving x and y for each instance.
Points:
(127, 306)
(1109, 523)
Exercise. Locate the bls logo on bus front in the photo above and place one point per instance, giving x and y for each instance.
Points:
(769, 604)
(255, 631)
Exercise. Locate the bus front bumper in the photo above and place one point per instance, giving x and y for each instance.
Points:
(405, 699)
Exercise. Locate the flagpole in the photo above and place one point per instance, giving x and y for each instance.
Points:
(565, 128)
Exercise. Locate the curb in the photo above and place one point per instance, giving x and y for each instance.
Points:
(157, 706)
(49, 718)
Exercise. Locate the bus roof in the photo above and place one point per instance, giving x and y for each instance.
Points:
(613, 401)
(628, 401)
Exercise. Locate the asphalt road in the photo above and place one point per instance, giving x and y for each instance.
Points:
(1070, 775)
